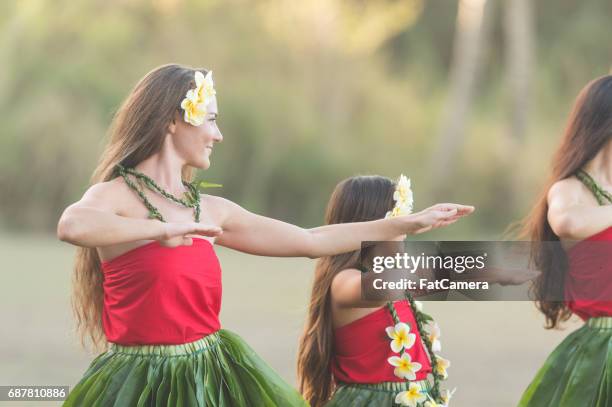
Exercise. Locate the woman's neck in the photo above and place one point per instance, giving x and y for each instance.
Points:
(600, 167)
(165, 170)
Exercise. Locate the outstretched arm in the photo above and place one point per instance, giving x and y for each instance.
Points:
(255, 234)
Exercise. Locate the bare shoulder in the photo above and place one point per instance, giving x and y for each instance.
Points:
(568, 191)
(346, 278)
(347, 299)
(109, 196)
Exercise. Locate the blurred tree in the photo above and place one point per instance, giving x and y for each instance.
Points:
(518, 24)
(309, 93)
(351, 26)
(471, 33)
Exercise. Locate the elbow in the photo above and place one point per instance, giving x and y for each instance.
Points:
(312, 256)
(311, 249)
(67, 228)
(566, 226)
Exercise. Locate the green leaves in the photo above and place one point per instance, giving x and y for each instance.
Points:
(205, 184)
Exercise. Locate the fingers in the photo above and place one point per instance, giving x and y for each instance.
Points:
(462, 209)
(444, 214)
(207, 230)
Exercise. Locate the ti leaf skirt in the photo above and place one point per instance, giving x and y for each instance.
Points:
(219, 370)
(578, 373)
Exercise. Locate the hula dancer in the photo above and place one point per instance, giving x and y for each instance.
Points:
(577, 206)
(358, 353)
(147, 282)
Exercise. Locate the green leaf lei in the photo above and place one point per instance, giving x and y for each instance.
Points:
(191, 200)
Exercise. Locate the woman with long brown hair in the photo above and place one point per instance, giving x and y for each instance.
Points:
(576, 277)
(356, 352)
(147, 282)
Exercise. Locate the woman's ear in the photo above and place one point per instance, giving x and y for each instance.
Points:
(172, 125)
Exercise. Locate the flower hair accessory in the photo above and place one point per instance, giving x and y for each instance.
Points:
(197, 99)
(402, 197)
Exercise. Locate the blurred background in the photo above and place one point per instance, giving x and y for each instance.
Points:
(467, 98)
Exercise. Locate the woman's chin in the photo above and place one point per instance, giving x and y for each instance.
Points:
(201, 164)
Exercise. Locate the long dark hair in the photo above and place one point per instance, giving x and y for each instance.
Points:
(136, 133)
(356, 199)
(588, 130)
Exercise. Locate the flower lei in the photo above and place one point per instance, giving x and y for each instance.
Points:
(197, 99)
(402, 339)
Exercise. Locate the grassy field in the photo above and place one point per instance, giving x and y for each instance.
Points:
(495, 347)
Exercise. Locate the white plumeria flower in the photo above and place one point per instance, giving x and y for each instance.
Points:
(196, 100)
(403, 193)
(434, 337)
(194, 113)
(403, 198)
(405, 368)
(205, 87)
(402, 338)
(411, 397)
(442, 365)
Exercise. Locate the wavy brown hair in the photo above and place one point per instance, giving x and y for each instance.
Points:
(356, 199)
(588, 130)
(137, 131)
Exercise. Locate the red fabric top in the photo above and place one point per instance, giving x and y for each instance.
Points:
(160, 295)
(588, 287)
(362, 347)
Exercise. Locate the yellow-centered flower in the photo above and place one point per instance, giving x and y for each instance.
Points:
(441, 366)
(405, 368)
(402, 338)
(205, 87)
(411, 397)
(197, 99)
(403, 198)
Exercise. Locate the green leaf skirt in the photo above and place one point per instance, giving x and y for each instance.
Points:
(217, 370)
(578, 373)
(369, 395)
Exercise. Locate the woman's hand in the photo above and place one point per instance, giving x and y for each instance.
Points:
(436, 216)
(175, 233)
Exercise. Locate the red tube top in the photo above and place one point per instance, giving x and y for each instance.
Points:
(160, 295)
(588, 286)
(362, 347)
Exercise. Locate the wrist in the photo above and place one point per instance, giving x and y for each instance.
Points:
(401, 225)
(160, 229)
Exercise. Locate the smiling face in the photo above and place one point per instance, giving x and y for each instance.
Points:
(194, 144)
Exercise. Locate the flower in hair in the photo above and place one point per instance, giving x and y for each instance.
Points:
(197, 99)
(403, 198)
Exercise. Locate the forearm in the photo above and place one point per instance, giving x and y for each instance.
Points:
(89, 227)
(329, 240)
